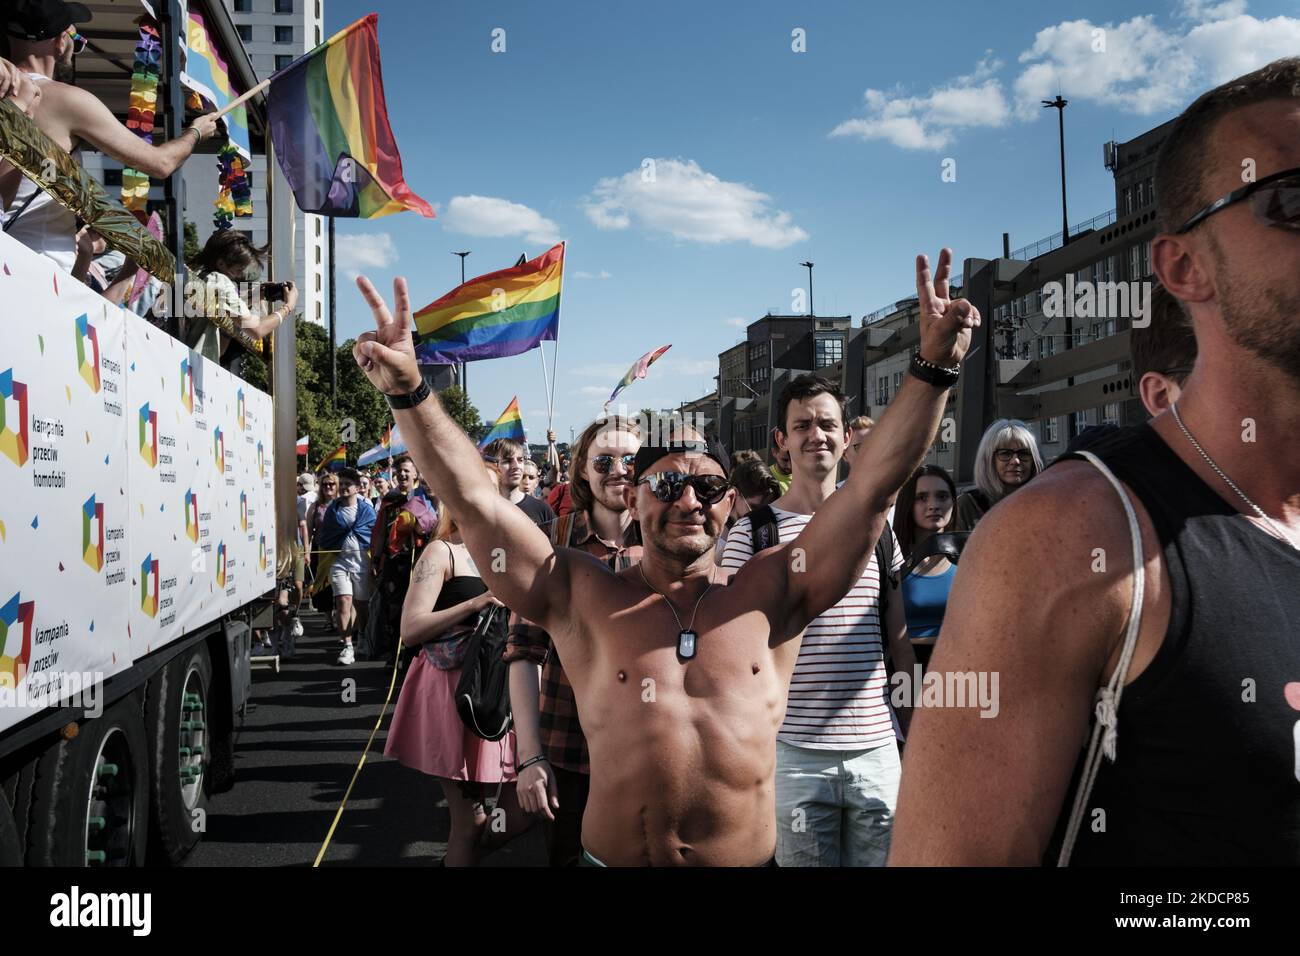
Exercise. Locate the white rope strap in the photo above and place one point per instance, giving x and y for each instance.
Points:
(1105, 731)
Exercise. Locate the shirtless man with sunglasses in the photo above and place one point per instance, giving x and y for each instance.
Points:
(680, 669)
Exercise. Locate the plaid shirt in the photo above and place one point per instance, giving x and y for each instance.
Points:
(562, 739)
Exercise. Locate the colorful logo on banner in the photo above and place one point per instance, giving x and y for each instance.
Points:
(13, 418)
(149, 435)
(15, 640)
(88, 358)
(221, 564)
(191, 515)
(219, 450)
(187, 385)
(149, 586)
(240, 419)
(261, 463)
(92, 533)
(261, 552)
(243, 511)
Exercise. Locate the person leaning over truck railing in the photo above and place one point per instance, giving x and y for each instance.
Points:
(42, 37)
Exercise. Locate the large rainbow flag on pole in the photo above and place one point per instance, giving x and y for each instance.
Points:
(499, 314)
(329, 125)
(335, 461)
(509, 425)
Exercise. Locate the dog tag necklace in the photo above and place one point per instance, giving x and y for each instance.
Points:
(686, 637)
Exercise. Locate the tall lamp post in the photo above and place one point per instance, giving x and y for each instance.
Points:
(809, 267)
(1059, 105)
(464, 387)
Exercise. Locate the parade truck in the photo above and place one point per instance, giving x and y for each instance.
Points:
(139, 486)
(137, 546)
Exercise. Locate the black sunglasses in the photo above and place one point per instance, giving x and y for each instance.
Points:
(603, 463)
(668, 486)
(1275, 201)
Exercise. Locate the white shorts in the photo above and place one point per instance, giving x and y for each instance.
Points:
(345, 582)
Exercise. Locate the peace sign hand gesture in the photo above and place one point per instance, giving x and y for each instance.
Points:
(946, 323)
(387, 355)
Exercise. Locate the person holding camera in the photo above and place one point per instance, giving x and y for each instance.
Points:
(228, 258)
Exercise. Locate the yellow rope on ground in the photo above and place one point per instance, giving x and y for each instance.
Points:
(338, 815)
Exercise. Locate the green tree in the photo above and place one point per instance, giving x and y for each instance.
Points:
(460, 408)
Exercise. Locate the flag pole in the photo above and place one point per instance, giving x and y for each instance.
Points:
(239, 101)
(555, 355)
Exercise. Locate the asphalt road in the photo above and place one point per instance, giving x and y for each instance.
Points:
(295, 752)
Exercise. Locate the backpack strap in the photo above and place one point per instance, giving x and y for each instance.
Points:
(885, 565)
(764, 532)
(1105, 731)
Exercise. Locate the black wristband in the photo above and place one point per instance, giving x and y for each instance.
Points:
(410, 399)
(529, 762)
(942, 376)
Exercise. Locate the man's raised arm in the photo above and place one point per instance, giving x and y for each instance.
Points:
(837, 543)
(514, 556)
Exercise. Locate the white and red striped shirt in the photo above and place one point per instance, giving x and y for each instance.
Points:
(839, 694)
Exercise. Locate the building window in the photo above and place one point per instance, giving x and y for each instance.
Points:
(243, 6)
(318, 36)
(112, 177)
(1050, 433)
(829, 351)
(1141, 194)
(284, 6)
(318, 255)
(282, 60)
(245, 32)
(318, 282)
(898, 380)
(1151, 191)
(1078, 336)
(1110, 414)
(882, 390)
(283, 34)
(318, 317)
(317, 218)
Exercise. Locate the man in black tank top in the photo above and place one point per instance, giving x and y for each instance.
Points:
(1206, 766)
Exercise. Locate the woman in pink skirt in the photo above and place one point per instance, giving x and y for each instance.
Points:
(442, 606)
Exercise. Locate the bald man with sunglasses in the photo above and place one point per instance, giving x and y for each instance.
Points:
(680, 669)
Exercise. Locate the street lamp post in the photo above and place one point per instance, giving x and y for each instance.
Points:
(464, 386)
(809, 267)
(1059, 105)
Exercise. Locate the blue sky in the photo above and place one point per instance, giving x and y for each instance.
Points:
(764, 157)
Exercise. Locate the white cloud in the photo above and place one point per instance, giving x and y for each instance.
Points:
(493, 217)
(594, 390)
(737, 322)
(1135, 66)
(929, 122)
(684, 201)
(1229, 48)
(694, 367)
(1205, 10)
(365, 251)
(590, 275)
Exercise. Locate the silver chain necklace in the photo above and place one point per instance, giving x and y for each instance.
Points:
(1276, 529)
(686, 637)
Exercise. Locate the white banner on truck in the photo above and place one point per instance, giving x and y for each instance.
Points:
(137, 496)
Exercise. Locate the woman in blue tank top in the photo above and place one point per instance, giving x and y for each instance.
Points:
(925, 507)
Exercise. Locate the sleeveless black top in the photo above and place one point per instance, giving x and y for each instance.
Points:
(459, 587)
(1207, 766)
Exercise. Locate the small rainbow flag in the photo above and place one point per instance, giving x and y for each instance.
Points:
(329, 123)
(390, 447)
(335, 461)
(503, 313)
(638, 370)
(509, 425)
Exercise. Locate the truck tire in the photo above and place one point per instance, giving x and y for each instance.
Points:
(176, 723)
(90, 799)
(11, 845)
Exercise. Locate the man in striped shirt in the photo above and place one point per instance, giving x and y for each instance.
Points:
(837, 766)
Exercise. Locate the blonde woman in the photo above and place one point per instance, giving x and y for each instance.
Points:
(1007, 457)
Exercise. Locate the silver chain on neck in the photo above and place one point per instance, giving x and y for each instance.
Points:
(1273, 525)
(691, 626)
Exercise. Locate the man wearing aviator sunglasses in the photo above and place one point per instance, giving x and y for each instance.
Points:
(1167, 575)
(680, 670)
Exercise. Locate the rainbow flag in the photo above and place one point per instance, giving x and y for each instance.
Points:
(499, 314)
(335, 461)
(638, 370)
(390, 446)
(509, 425)
(329, 123)
(206, 73)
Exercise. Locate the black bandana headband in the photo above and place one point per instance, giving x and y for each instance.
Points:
(648, 455)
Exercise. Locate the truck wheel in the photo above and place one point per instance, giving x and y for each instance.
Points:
(11, 845)
(176, 722)
(90, 799)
